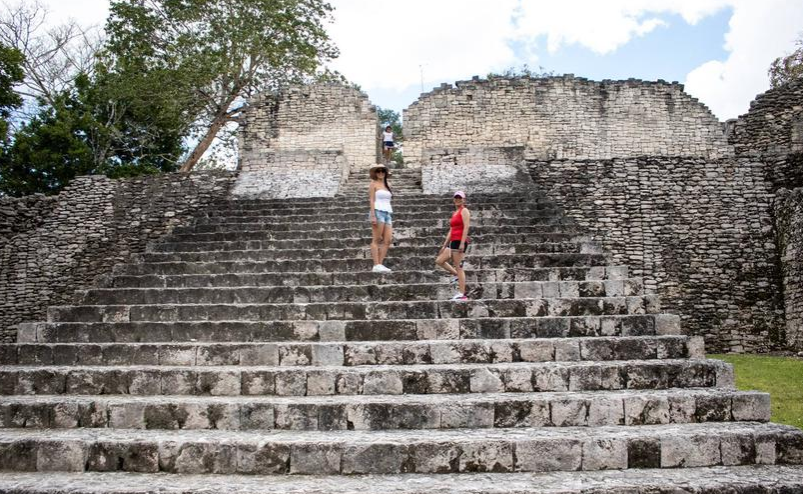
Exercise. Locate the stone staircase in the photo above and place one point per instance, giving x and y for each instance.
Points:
(256, 344)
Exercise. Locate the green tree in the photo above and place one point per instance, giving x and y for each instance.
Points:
(211, 55)
(788, 68)
(48, 151)
(10, 74)
(91, 129)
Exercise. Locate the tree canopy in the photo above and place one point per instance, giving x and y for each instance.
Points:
(208, 56)
(10, 74)
(788, 68)
(165, 74)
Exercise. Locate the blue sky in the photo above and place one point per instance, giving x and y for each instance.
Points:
(668, 52)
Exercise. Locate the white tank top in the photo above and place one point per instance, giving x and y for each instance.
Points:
(382, 200)
(387, 136)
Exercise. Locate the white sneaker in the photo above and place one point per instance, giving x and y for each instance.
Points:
(459, 296)
(378, 268)
(384, 268)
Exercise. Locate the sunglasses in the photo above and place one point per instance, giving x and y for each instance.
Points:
(458, 197)
(380, 171)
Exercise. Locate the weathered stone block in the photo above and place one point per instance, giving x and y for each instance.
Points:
(315, 459)
(605, 454)
(376, 458)
(684, 451)
(549, 455)
(486, 457)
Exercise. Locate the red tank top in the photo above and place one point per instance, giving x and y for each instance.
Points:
(456, 223)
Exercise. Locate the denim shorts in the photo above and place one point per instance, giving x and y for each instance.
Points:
(383, 217)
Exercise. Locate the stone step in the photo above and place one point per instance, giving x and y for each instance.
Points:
(399, 189)
(410, 352)
(354, 330)
(362, 251)
(365, 380)
(313, 224)
(362, 214)
(437, 212)
(387, 412)
(168, 245)
(593, 274)
(237, 232)
(358, 293)
(472, 262)
(393, 452)
(751, 479)
(344, 206)
(439, 309)
(412, 199)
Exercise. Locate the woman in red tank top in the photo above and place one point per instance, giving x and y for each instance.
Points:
(456, 243)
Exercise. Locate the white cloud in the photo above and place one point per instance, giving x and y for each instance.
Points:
(384, 44)
(758, 33)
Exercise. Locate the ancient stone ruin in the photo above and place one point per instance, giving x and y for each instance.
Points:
(161, 330)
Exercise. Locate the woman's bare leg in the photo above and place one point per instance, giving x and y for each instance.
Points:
(387, 238)
(457, 259)
(376, 240)
(442, 261)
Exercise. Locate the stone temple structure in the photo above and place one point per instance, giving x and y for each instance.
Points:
(223, 332)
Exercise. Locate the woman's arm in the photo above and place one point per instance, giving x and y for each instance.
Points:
(371, 197)
(466, 223)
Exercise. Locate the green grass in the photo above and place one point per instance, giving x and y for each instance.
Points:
(781, 377)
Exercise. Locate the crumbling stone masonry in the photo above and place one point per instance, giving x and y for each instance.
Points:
(789, 221)
(91, 225)
(304, 141)
(699, 231)
(563, 118)
(772, 131)
(774, 124)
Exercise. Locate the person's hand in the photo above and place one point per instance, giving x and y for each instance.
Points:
(462, 247)
(373, 219)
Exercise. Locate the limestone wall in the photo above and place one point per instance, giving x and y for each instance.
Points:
(93, 224)
(564, 117)
(699, 231)
(302, 127)
(789, 218)
(286, 174)
(23, 213)
(774, 124)
(474, 170)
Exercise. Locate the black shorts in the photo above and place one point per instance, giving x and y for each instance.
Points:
(455, 245)
(388, 144)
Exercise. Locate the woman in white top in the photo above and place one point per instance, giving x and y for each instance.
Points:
(387, 143)
(381, 216)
